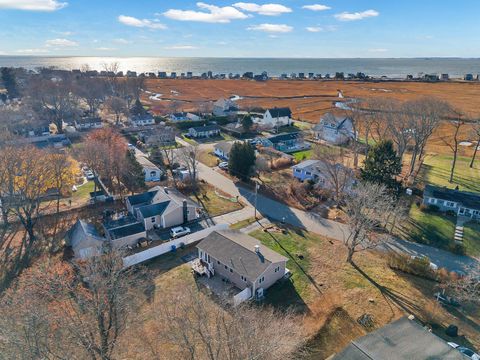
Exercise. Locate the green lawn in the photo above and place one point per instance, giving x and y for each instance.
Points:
(431, 228)
(302, 155)
(292, 244)
(471, 238)
(214, 201)
(436, 170)
(83, 192)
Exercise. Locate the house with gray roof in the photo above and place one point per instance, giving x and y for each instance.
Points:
(204, 131)
(276, 117)
(242, 260)
(462, 203)
(84, 240)
(162, 207)
(222, 149)
(334, 129)
(404, 339)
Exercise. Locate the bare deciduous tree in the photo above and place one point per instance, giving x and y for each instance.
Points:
(467, 287)
(117, 106)
(189, 158)
(368, 207)
(476, 129)
(452, 141)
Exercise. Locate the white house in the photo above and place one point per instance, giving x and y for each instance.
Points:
(276, 117)
(87, 123)
(142, 120)
(162, 208)
(462, 203)
(222, 149)
(152, 172)
(334, 129)
(184, 116)
(204, 131)
(223, 107)
(318, 172)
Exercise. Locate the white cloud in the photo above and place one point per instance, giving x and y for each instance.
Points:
(32, 51)
(328, 28)
(267, 9)
(316, 7)
(61, 43)
(32, 5)
(378, 50)
(213, 14)
(181, 47)
(121, 41)
(105, 49)
(271, 28)
(346, 16)
(140, 23)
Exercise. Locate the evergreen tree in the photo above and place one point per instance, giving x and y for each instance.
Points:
(382, 165)
(241, 160)
(10, 82)
(247, 123)
(138, 109)
(133, 177)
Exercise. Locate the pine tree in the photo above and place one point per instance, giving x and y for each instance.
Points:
(241, 160)
(382, 165)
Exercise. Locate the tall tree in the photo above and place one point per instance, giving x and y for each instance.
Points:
(452, 141)
(117, 106)
(476, 129)
(241, 160)
(133, 177)
(382, 165)
(10, 82)
(93, 90)
(247, 123)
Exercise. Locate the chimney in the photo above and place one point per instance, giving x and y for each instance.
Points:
(257, 249)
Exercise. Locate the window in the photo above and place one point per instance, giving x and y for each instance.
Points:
(277, 269)
(226, 267)
(153, 220)
(262, 279)
(432, 201)
(231, 270)
(308, 173)
(218, 262)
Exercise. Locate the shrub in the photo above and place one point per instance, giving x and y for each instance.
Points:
(415, 266)
(433, 208)
(451, 213)
(281, 163)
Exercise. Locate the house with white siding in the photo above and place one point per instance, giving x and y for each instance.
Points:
(334, 129)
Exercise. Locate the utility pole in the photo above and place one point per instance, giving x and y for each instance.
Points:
(256, 195)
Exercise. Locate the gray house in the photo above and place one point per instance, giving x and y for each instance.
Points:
(204, 131)
(334, 129)
(84, 240)
(461, 202)
(162, 208)
(222, 149)
(242, 260)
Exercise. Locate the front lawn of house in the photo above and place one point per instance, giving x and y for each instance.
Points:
(302, 155)
(214, 201)
(471, 238)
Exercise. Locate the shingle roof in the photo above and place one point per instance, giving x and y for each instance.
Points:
(154, 209)
(280, 112)
(143, 198)
(224, 146)
(237, 250)
(132, 229)
(284, 137)
(206, 128)
(306, 164)
(80, 231)
(403, 339)
(467, 199)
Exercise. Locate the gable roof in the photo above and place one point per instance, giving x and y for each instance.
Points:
(153, 209)
(142, 198)
(284, 137)
(338, 122)
(80, 231)
(467, 199)
(205, 128)
(403, 339)
(280, 112)
(237, 250)
(306, 164)
(225, 146)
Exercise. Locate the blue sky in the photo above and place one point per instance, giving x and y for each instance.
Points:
(283, 28)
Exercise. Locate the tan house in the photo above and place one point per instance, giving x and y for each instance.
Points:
(242, 260)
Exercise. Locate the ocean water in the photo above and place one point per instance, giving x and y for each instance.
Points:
(395, 68)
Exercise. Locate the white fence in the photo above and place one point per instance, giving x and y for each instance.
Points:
(168, 246)
(245, 295)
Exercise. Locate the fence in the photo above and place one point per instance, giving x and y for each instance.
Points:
(170, 245)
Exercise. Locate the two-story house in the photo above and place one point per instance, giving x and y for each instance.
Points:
(224, 107)
(276, 117)
(334, 129)
(242, 260)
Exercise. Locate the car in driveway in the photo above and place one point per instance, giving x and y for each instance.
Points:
(179, 231)
(89, 175)
(468, 353)
(223, 165)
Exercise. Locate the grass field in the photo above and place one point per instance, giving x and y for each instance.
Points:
(471, 238)
(431, 228)
(214, 201)
(207, 158)
(302, 155)
(436, 170)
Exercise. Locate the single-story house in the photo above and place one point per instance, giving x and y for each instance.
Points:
(84, 240)
(87, 123)
(463, 203)
(184, 116)
(143, 120)
(307, 170)
(224, 107)
(276, 117)
(242, 260)
(334, 129)
(222, 149)
(160, 135)
(151, 171)
(317, 171)
(204, 131)
(162, 208)
(286, 142)
(403, 339)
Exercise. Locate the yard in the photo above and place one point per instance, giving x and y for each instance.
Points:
(206, 156)
(471, 238)
(214, 201)
(302, 155)
(436, 170)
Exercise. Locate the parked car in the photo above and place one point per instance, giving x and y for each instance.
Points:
(469, 353)
(179, 231)
(89, 175)
(223, 165)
